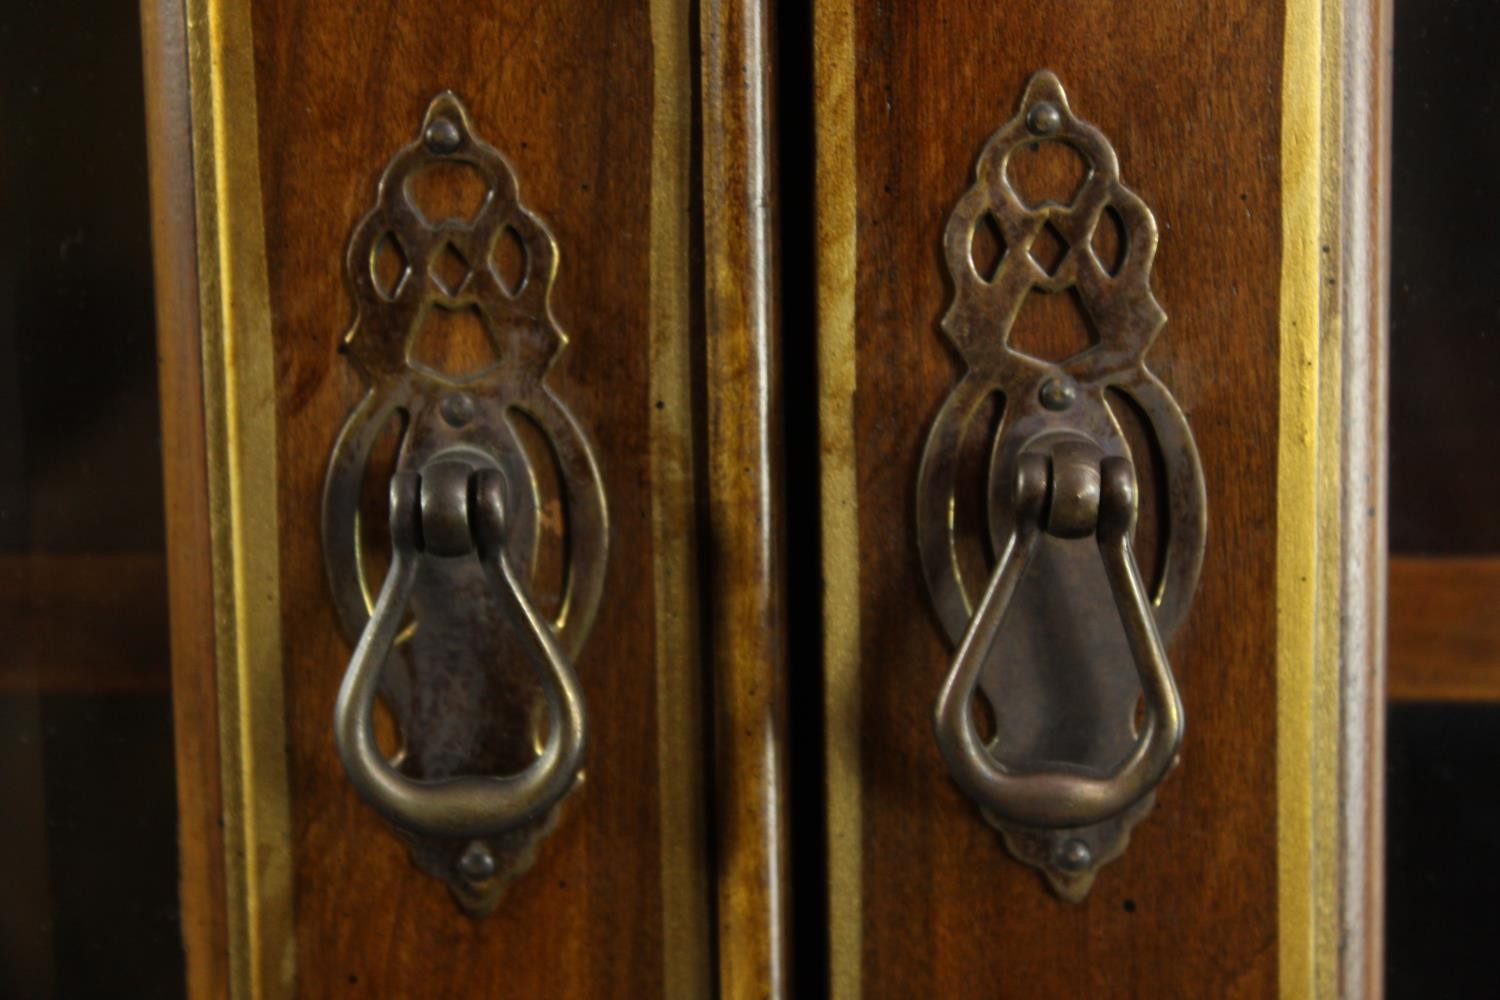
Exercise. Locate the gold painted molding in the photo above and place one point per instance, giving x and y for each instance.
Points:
(1330, 499)
(1298, 491)
(687, 952)
(836, 205)
(240, 424)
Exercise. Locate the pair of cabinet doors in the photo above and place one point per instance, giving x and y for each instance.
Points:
(674, 293)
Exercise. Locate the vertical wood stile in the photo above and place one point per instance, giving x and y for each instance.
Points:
(185, 472)
(746, 636)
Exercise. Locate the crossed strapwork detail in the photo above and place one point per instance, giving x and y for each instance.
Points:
(449, 254)
(1000, 249)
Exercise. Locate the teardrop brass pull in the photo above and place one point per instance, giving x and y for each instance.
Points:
(1063, 504)
(1066, 649)
(474, 658)
(449, 511)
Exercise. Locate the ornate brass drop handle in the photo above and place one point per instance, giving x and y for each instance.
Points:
(1067, 646)
(471, 645)
(453, 512)
(1102, 493)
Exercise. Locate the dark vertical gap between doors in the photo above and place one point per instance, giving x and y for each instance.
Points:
(698, 366)
(795, 173)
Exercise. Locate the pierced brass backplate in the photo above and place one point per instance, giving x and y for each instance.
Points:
(471, 649)
(1058, 643)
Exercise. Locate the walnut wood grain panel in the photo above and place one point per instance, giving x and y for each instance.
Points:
(565, 91)
(1189, 96)
(1444, 628)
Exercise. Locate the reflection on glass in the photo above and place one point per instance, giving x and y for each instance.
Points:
(88, 855)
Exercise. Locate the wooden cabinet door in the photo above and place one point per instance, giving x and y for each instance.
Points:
(1253, 132)
(272, 125)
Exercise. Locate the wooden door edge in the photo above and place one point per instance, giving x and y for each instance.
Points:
(836, 203)
(1331, 590)
(746, 596)
(185, 470)
(1365, 147)
(218, 426)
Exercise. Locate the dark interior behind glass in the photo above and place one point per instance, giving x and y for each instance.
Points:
(1444, 757)
(88, 828)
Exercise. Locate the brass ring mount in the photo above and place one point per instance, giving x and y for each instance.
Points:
(472, 656)
(1064, 646)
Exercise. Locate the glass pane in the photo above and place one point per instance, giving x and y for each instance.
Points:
(88, 831)
(1442, 923)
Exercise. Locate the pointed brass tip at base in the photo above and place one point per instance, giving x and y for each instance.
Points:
(1071, 859)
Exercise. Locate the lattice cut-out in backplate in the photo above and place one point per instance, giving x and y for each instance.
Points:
(1063, 248)
(459, 245)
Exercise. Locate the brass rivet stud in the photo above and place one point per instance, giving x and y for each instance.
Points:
(1057, 395)
(1044, 118)
(442, 136)
(457, 408)
(1074, 856)
(477, 863)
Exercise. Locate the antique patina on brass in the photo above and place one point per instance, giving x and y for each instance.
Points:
(1066, 641)
(477, 676)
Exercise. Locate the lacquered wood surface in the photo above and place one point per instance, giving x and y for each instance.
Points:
(565, 91)
(745, 500)
(1190, 98)
(185, 475)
